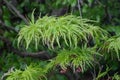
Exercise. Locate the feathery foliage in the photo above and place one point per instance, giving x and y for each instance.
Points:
(30, 73)
(113, 45)
(116, 76)
(51, 31)
(102, 74)
(75, 58)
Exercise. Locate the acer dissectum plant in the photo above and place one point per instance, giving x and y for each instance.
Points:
(68, 37)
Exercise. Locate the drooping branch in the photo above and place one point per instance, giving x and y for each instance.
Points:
(16, 11)
(43, 55)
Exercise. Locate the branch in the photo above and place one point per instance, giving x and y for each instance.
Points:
(79, 8)
(7, 28)
(6, 74)
(43, 55)
(107, 14)
(16, 11)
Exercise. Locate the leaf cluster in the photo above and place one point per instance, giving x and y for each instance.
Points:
(83, 58)
(51, 31)
(113, 45)
(31, 72)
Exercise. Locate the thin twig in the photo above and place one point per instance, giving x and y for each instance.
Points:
(16, 11)
(7, 28)
(79, 7)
